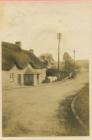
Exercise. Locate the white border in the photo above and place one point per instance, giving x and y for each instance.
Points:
(51, 138)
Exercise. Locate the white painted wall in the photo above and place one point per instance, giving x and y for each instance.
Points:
(42, 75)
(7, 82)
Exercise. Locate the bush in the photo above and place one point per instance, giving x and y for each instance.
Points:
(52, 72)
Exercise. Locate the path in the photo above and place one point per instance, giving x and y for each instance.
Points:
(32, 111)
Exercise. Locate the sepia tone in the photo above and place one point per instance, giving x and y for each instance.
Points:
(45, 90)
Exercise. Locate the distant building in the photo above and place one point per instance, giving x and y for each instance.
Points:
(24, 70)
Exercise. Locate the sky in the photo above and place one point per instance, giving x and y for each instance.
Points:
(36, 25)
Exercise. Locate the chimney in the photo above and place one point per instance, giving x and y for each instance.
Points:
(18, 44)
(31, 51)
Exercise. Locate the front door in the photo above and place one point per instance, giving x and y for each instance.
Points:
(28, 79)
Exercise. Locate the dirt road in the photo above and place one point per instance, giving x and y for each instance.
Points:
(32, 111)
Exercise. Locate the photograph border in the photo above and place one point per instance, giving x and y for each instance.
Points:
(90, 82)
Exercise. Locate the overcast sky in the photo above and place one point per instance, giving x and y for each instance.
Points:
(36, 26)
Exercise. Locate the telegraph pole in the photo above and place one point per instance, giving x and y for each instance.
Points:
(59, 38)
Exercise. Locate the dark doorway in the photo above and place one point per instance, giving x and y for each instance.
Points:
(38, 78)
(28, 79)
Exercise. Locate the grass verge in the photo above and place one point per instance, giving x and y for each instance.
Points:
(72, 126)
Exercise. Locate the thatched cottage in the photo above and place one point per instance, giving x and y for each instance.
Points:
(20, 67)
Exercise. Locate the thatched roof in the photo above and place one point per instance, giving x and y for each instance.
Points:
(31, 71)
(14, 55)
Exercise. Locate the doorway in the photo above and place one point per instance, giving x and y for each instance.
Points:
(28, 79)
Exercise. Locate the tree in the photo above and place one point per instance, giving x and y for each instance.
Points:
(48, 58)
(68, 65)
(67, 58)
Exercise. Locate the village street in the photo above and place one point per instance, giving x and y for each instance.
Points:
(32, 111)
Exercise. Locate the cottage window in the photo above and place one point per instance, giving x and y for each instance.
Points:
(11, 77)
(19, 79)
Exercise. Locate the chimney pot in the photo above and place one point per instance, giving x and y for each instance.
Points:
(18, 44)
(31, 50)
